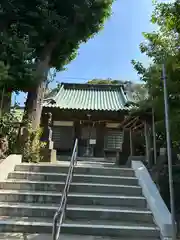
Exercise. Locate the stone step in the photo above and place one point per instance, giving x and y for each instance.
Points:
(75, 187)
(73, 198)
(77, 212)
(19, 236)
(95, 162)
(57, 168)
(92, 228)
(85, 178)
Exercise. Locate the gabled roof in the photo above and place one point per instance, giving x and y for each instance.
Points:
(90, 97)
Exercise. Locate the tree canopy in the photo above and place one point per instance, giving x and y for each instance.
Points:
(104, 81)
(56, 26)
(15, 58)
(45, 34)
(162, 47)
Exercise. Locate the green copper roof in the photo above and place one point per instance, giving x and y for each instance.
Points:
(89, 97)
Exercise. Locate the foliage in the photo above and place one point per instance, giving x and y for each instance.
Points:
(33, 146)
(39, 35)
(67, 25)
(162, 47)
(138, 90)
(15, 56)
(104, 81)
(33, 26)
(3, 73)
(47, 35)
(8, 128)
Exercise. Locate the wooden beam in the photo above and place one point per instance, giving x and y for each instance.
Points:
(129, 123)
(139, 126)
(134, 124)
(124, 121)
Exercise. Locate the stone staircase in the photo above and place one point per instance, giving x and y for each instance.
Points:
(103, 201)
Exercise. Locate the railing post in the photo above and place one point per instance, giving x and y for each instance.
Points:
(60, 213)
(54, 230)
(25, 236)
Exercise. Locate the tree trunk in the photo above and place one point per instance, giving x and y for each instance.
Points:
(5, 102)
(34, 102)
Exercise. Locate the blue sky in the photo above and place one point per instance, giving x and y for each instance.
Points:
(109, 53)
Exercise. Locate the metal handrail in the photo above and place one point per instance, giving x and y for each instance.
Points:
(60, 213)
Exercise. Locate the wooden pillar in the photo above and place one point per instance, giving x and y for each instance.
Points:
(99, 147)
(131, 142)
(147, 142)
(77, 131)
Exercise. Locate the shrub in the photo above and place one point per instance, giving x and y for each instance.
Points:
(33, 146)
(9, 129)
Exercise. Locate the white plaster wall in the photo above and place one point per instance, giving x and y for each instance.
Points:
(8, 165)
(156, 204)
